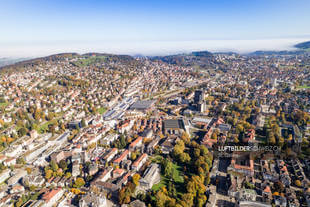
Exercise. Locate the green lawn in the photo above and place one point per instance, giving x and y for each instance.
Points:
(102, 110)
(161, 184)
(156, 159)
(17, 128)
(177, 178)
(4, 104)
(303, 87)
(89, 61)
(44, 127)
(177, 174)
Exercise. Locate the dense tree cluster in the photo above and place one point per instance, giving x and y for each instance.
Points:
(126, 192)
(195, 161)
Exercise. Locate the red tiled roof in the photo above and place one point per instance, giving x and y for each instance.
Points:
(136, 163)
(123, 155)
(47, 196)
(111, 152)
(134, 143)
(267, 189)
(118, 171)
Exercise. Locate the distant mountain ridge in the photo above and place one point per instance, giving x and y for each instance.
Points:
(36, 61)
(301, 48)
(283, 52)
(303, 45)
(83, 60)
(197, 59)
(202, 54)
(9, 61)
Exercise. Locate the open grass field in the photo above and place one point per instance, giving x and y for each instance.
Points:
(89, 61)
(4, 104)
(44, 127)
(303, 87)
(102, 110)
(177, 178)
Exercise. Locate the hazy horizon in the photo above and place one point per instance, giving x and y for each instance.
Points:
(38, 28)
(149, 48)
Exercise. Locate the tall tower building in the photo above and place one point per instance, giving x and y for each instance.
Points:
(201, 106)
(199, 96)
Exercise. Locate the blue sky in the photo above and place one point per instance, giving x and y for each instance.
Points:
(41, 27)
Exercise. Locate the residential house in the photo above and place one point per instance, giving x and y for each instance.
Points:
(122, 157)
(93, 200)
(51, 197)
(109, 156)
(139, 162)
(136, 144)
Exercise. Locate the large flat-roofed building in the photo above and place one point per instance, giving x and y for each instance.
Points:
(252, 204)
(142, 105)
(224, 127)
(202, 121)
(175, 126)
(4, 175)
(150, 177)
(75, 124)
(18, 175)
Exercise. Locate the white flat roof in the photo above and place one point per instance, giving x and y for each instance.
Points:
(201, 119)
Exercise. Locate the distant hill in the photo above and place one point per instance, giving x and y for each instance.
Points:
(9, 61)
(78, 60)
(196, 59)
(303, 45)
(32, 62)
(300, 48)
(202, 54)
(226, 53)
(92, 59)
(284, 52)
